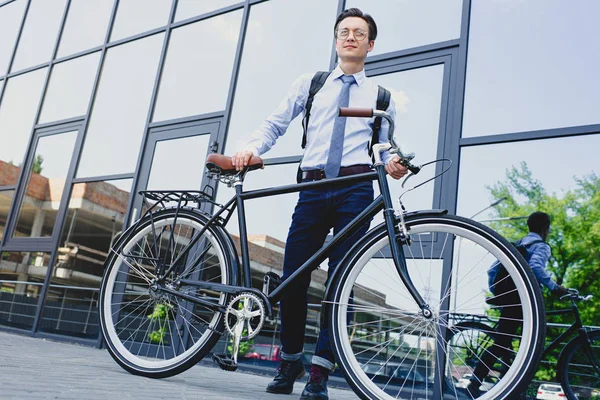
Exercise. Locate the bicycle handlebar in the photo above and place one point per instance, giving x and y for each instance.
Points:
(395, 149)
(574, 295)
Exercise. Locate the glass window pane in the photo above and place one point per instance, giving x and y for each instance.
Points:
(68, 93)
(137, 16)
(483, 166)
(191, 8)
(86, 26)
(6, 197)
(17, 112)
(278, 208)
(175, 165)
(94, 221)
(197, 82)
(21, 280)
(11, 16)
(121, 108)
(418, 97)
(45, 185)
(539, 74)
(266, 72)
(39, 34)
(406, 24)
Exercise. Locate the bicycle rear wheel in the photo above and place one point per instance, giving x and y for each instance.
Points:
(148, 330)
(579, 367)
(388, 349)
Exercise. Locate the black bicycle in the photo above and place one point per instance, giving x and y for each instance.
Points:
(578, 364)
(174, 284)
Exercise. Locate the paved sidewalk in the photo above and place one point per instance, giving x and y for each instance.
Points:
(33, 368)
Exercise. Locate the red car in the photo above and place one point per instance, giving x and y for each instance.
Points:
(264, 352)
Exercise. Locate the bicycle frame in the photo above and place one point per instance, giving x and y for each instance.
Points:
(383, 201)
(577, 325)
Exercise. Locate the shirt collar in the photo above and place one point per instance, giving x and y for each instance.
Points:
(359, 76)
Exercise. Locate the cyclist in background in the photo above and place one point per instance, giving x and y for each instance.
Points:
(538, 253)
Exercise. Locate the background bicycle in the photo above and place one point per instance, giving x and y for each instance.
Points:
(578, 364)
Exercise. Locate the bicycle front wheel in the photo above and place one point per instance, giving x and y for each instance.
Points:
(579, 367)
(385, 345)
(149, 329)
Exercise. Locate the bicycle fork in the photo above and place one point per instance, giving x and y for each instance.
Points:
(398, 235)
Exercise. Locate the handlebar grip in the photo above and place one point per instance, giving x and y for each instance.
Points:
(355, 112)
(413, 168)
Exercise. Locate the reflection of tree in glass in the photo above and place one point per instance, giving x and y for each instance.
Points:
(37, 164)
(574, 237)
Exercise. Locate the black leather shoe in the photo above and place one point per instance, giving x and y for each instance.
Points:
(287, 373)
(316, 387)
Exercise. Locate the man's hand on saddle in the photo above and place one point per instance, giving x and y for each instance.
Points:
(240, 159)
(395, 169)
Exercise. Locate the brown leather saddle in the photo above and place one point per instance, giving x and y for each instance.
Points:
(222, 165)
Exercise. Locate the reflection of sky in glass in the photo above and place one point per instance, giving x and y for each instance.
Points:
(268, 215)
(197, 82)
(39, 34)
(191, 8)
(56, 151)
(178, 163)
(70, 87)
(380, 275)
(10, 19)
(532, 65)
(137, 16)
(86, 26)
(402, 24)
(279, 47)
(417, 94)
(121, 108)
(485, 165)
(17, 111)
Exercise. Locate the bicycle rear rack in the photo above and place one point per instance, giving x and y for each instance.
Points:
(154, 200)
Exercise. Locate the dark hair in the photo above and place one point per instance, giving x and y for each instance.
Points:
(355, 12)
(538, 222)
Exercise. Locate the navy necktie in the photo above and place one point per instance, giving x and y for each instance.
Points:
(336, 147)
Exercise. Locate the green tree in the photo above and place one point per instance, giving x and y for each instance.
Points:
(574, 236)
(37, 164)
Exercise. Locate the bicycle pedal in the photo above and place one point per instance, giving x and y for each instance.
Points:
(270, 282)
(224, 362)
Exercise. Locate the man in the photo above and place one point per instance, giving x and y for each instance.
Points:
(537, 255)
(335, 147)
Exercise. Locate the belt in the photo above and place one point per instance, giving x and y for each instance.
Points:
(318, 174)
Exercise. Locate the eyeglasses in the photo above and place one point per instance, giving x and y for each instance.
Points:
(342, 34)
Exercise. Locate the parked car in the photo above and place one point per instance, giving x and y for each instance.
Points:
(548, 391)
(264, 352)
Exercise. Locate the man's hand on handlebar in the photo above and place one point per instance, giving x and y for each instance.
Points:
(395, 169)
(240, 159)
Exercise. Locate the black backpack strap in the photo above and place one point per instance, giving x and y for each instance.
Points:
(383, 102)
(317, 82)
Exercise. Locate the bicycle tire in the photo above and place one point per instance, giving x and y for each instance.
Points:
(366, 278)
(577, 371)
(152, 333)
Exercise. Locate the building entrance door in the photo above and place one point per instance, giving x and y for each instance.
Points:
(174, 159)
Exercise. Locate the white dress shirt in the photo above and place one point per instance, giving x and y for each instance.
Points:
(358, 131)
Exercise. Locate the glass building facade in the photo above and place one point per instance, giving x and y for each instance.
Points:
(100, 99)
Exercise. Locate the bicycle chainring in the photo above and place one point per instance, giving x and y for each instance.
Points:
(250, 308)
